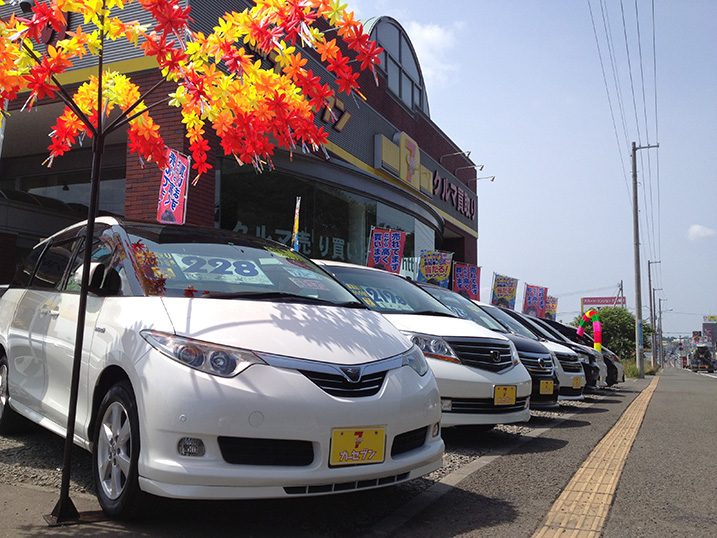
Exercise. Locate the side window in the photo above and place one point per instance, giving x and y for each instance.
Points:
(110, 278)
(53, 264)
(24, 270)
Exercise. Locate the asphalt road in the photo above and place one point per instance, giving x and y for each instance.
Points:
(667, 488)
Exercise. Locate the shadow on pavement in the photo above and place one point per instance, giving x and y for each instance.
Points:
(571, 423)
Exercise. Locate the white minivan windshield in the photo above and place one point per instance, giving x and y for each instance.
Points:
(218, 264)
(388, 293)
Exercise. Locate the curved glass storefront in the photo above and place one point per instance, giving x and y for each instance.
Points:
(334, 223)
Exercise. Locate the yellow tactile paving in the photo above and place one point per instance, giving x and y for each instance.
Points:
(583, 506)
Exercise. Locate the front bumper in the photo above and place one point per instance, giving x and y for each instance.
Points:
(471, 392)
(274, 405)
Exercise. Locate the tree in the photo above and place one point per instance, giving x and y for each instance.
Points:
(618, 330)
(217, 78)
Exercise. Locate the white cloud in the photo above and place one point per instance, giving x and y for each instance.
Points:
(434, 46)
(697, 232)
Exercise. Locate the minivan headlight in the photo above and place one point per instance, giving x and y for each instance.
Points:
(206, 357)
(433, 347)
(514, 353)
(415, 359)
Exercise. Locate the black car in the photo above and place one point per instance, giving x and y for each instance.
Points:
(535, 356)
(571, 333)
(589, 361)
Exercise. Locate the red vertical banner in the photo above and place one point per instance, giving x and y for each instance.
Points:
(466, 280)
(385, 250)
(172, 203)
(534, 301)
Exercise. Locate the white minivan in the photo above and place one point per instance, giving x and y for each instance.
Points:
(215, 366)
(480, 377)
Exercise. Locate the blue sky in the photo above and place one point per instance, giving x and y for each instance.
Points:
(520, 84)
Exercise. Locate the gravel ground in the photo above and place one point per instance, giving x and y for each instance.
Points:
(36, 456)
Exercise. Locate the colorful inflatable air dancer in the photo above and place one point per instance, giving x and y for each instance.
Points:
(597, 328)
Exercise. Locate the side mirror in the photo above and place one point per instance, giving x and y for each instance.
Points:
(97, 274)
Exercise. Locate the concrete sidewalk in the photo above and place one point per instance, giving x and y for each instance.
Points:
(667, 487)
(23, 509)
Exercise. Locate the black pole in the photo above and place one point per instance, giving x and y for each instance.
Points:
(65, 512)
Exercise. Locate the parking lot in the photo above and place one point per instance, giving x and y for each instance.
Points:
(32, 459)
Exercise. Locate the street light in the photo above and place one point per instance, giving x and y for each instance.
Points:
(477, 179)
(478, 167)
(466, 154)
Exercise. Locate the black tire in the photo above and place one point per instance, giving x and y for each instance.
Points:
(115, 455)
(10, 421)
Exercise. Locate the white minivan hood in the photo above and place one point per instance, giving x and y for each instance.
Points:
(441, 326)
(329, 334)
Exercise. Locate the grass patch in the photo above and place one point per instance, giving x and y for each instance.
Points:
(631, 368)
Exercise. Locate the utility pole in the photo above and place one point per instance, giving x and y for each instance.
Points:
(620, 293)
(662, 355)
(639, 345)
(652, 311)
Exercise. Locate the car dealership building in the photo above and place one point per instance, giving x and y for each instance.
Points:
(387, 164)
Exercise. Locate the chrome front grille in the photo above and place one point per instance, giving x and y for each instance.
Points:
(485, 406)
(338, 385)
(536, 363)
(570, 363)
(340, 380)
(483, 353)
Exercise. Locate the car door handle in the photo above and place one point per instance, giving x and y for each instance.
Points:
(44, 310)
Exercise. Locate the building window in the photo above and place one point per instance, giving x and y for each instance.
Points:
(334, 224)
(400, 65)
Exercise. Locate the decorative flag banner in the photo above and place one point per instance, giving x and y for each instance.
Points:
(466, 280)
(435, 267)
(534, 300)
(172, 203)
(385, 250)
(504, 291)
(551, 307)
(295, 231)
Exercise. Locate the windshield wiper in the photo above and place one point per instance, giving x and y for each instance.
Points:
(280, 296)
(431, 313)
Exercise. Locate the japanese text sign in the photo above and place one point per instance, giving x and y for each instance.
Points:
(534, 301)
(172, 203)
(551, 307)
(466, 280)
(504, 291)
(385, 249)
(435, 268)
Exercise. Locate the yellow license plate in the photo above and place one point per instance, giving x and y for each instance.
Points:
(577, 383)
(357, 446)
(546, 387)
(504, 395)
